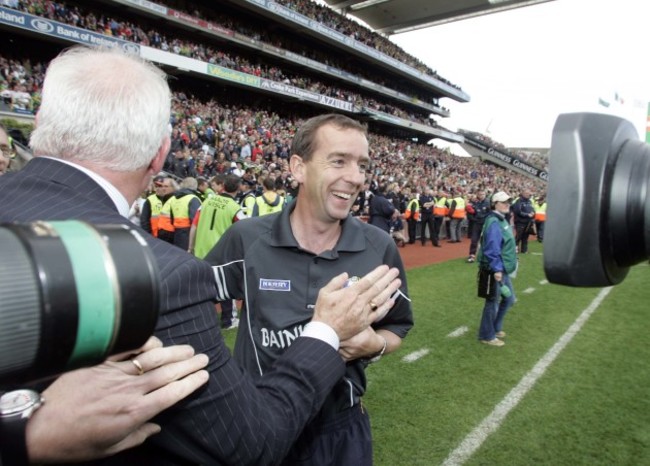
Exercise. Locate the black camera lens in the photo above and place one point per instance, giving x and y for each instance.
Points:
(70, 295)
(598, 201)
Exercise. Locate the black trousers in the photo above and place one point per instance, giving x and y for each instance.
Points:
(342, 440)
(539, 226)
(427, 221)
(475, 235)
(412, 227)
(437, 225)
(226, 313)
(523, 231)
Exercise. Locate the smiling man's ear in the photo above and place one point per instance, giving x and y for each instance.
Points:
(297, 166)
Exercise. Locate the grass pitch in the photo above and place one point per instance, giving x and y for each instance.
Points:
(591, 406)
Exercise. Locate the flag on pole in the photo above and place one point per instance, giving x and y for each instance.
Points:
(603, 102)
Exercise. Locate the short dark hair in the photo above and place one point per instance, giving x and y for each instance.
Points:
(303, 143)
(218, 179)
(269, 183)
(231, 183)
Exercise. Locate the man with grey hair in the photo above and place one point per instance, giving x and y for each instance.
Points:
(101, 137)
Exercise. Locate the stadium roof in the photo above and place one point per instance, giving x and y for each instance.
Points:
(398, 16)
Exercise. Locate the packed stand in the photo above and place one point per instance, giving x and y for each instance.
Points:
(340, 23)
(127, 30)
(20, 83)
(536, 159)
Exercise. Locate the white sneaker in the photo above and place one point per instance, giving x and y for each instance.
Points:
(494, 342)
(233, 324)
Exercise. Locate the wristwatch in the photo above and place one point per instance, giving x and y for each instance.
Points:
(16, 408)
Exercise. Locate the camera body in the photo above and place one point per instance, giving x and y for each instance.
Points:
(598, 198)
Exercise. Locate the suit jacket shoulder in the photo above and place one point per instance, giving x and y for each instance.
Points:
(232, 419)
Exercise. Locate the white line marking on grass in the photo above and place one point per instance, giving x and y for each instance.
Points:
(529, 290)
(459, 332)
(538, 254)
(415, 355)
(544, 282)
(493, 421)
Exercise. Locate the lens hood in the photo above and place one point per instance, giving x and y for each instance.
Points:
(597, 200)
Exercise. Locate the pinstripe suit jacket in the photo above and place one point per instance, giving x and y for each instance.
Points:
(232, 420)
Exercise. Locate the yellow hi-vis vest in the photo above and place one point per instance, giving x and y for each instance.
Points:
(165, 217)
(180, 208)
(440, 208)
(413, 208)
(459, 211)
(540, 211)
(156, 207)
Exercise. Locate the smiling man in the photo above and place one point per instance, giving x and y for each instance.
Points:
(277, 263)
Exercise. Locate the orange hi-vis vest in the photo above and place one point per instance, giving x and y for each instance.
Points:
(459, 211)
(540, 211)
(165, 217)
(180, 208)
(413, 209)
(156, 207)
(440, 208)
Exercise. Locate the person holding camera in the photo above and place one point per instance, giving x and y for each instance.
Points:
(497, 260)
(101, 136)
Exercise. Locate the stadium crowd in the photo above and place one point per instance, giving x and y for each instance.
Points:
(20, 85)
(231, 59)
(360, 33)
(212, 137)
(534, 158)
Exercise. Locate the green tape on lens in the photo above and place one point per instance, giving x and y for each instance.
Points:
(94, 276)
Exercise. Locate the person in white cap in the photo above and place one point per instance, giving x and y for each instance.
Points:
(498, 257)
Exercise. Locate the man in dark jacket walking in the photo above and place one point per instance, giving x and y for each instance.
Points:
(524, 213)
(481, 208)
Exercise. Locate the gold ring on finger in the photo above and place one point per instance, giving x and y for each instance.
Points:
(138, 366)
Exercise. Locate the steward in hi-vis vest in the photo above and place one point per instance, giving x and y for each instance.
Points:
(269, 201)
(440, 208)
(539, 205)
(153, 205)
(217, 214)
(457, 209)
(177, 213)
(412, 216)
(413, 210)
(457, 213)
(247, 197)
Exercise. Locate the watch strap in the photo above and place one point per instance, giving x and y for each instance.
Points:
(13, 442)
(13, 428)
